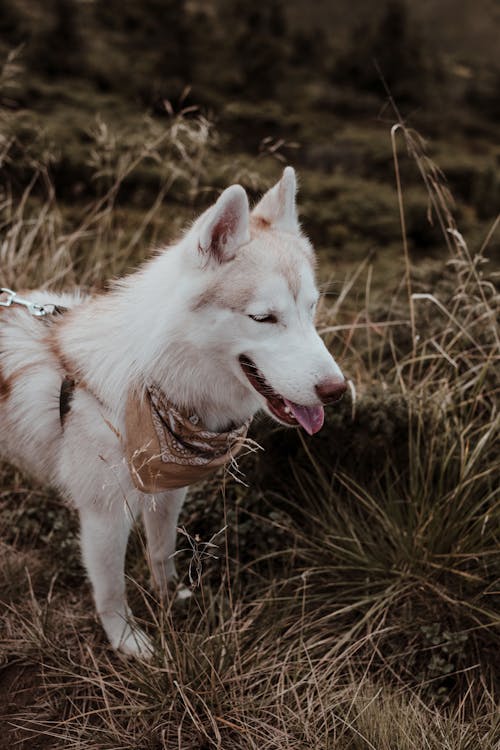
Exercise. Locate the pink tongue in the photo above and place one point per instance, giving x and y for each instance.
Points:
(311, 418)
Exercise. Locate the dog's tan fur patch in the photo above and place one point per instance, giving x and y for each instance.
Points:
(236, 298)
(237, 295)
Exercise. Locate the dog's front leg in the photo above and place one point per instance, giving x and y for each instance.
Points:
(161, 515)
(104, 534)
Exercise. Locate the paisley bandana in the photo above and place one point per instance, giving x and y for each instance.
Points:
(166, 449)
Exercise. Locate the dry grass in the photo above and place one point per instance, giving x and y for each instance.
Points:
(353, 607)
(43, 244)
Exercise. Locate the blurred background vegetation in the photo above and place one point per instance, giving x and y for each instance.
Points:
(307, 85)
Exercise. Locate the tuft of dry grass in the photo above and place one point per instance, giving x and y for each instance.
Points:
(44, 244)
(222, 678)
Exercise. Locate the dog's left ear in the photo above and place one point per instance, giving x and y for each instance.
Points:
(278, 207)
(225, 226)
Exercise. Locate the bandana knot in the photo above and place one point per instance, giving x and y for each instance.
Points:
(166, 449)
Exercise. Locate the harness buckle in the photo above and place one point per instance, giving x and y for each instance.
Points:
(39, 310)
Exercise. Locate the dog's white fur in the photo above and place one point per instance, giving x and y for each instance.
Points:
(182, 321)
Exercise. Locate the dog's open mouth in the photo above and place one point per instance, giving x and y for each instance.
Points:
(311, 418)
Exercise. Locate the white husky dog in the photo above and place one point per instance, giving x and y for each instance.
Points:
(222, 322)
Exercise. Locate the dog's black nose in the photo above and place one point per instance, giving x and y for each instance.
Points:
(331, 390)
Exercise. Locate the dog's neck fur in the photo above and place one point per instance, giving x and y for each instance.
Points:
(134, 335)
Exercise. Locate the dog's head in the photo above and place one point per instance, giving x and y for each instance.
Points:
(255, 299)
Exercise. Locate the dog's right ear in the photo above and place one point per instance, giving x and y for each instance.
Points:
(225, 226)
(277, 207)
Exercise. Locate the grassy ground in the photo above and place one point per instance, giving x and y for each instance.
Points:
(351, 603)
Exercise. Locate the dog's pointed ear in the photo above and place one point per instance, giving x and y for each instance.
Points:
(226, 225)
(277, 207)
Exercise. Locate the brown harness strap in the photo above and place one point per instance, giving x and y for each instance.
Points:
(68, 384)
(65, 397)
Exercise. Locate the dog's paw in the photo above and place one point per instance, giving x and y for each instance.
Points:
(134, 642)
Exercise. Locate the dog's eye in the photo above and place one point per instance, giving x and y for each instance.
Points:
(269, 318)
